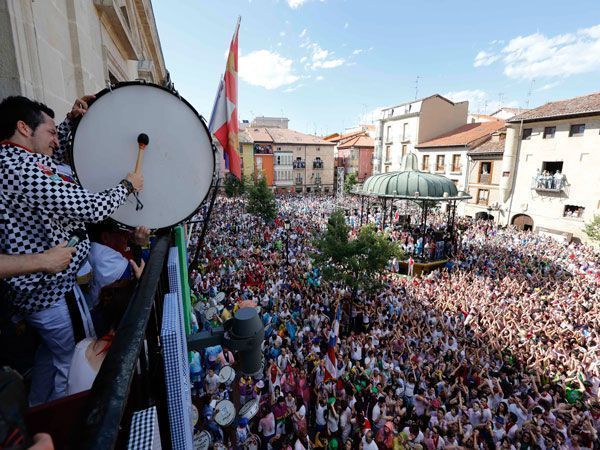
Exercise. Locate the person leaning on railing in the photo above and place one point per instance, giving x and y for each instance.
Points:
(39, 208)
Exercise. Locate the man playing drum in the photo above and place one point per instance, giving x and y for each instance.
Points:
(40, 208)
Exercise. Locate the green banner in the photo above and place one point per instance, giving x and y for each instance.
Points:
(180, 242)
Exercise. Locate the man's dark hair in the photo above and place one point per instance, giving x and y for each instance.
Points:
(15, 108)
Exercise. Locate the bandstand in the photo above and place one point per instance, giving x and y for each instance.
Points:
(399, 196)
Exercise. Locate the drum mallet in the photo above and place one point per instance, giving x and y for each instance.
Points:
(142, 141)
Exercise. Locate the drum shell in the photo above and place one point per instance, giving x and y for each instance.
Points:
(178, 164)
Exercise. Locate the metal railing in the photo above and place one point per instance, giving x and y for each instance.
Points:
(318, 165)
(299, 164)
(119, 389)
(549, 183)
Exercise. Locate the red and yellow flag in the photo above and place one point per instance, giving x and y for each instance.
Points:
(224, 119)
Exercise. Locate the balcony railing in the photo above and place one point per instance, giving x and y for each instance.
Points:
(298, 181)
(299, 164)
(548, 183)
(484, 178)
(317, 165)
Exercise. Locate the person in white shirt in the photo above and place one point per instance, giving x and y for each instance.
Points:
(211, 381)
(367, 442)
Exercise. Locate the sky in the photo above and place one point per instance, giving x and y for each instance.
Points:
(328, 65)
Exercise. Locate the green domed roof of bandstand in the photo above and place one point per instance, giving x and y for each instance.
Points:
(411, 183)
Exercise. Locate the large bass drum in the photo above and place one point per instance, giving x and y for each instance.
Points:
(178, 164)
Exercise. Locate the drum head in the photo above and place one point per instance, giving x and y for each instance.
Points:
(225, 413)
(250, 409)
(178, 163)
(202, 440)
(226, 375)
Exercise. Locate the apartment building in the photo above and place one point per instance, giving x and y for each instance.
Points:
(402, 127)
(550, 172)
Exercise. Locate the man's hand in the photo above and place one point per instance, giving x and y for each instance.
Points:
(137, 180)
(42, 441)
(137, 270)
(141, 236)
(80, 106)
(57, 258)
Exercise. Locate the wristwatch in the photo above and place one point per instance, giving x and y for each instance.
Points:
(128, 185)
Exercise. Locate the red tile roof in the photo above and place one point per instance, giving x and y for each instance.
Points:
(467, 135)
(358, 141)
(490, 146)
(584, 105)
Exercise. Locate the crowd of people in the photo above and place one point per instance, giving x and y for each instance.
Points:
(500, 352)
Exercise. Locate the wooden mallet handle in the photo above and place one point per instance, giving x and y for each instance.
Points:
(142, 141)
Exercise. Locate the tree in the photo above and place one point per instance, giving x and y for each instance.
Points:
(261, 201)
(592, 229)
(350, 182)
(234, 187)
(355, 262)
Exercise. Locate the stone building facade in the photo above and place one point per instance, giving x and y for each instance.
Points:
(57, 50)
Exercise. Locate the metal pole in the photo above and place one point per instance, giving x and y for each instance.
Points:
(383, 214)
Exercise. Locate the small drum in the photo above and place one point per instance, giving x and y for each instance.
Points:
(226, 375)
(250, 409)
(220, 297)
(211, 313)
(178, 164)
(252, 443)
(224, 413)
(202, 440)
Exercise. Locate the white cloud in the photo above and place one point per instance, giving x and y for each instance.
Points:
(266, 69)
(319, 78)
(330, 64)
(346, 25)
(282, 33)
(279, 44)
(319, 58)
(303, 33)
(293, 88)
(358, 51)
(484, 58)
(548, 86)
(480, 102)
(538, 56)
(303, 59)
(294, 4)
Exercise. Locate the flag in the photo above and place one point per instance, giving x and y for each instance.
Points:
(331, 369)
(223, 121)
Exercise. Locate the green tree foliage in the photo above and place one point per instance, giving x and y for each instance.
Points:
(349, 182)
(234, 187)
(261, 201)
(355, 262)
(592, 229)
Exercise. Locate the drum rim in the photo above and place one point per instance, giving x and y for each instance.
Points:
(254, 402)
(234, 415)
(120, 84)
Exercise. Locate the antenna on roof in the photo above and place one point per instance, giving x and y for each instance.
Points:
(417, 87)
(529, 93)
(500, 99)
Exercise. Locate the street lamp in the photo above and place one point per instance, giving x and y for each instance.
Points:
(286, 225)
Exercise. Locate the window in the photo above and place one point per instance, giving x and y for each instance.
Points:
(483, 196)
(549, 132)
(573, 211)
(439, 163)
(387, 169)
(278, 160)
(388, 133)
(404, 128)
(455, 163)
(404, 150)
(552, 166)
(577, 130)
(425, 165)
(527, 133)
(388, 150)
(485, 170)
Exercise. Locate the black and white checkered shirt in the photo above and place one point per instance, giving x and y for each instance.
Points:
(39, 209)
